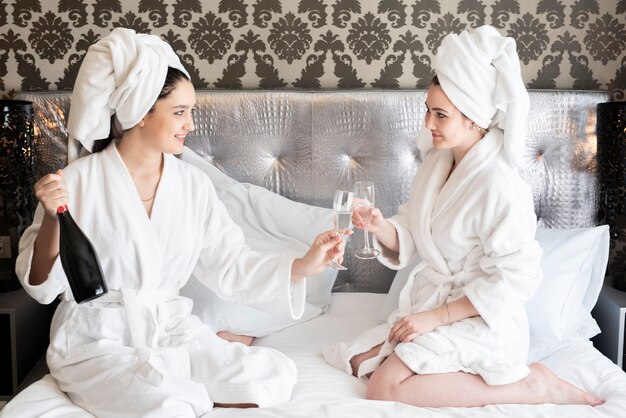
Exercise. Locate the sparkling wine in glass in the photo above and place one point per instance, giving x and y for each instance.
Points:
(363, 206)
(342, 207)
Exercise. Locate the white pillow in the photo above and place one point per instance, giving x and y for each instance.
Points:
(271, 223)
(574, 263)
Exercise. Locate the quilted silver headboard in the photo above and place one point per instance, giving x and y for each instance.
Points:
(304, 145)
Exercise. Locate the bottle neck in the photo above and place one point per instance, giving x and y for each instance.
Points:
(62, 209)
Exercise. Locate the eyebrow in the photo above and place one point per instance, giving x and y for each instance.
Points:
(437, 109)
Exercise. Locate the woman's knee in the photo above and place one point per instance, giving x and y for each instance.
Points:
(380, 388)
(386, 382)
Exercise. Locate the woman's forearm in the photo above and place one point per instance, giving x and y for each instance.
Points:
(45, 252)
(457, 310)
(387, 235)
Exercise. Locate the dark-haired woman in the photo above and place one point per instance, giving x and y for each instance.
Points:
(460, 334)
(153, 219)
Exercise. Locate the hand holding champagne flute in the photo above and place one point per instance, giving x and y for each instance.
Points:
(364, 200)
(342, 206)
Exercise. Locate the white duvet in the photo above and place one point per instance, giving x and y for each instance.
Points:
(324, 391)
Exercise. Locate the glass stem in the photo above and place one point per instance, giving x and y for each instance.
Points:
(335, 260)
(342, 238)
(367, 240)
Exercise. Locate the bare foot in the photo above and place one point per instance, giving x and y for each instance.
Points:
(244, 339)
(550, 389)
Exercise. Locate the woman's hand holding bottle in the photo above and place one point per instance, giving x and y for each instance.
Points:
(51, 192)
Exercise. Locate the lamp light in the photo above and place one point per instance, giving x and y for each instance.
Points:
(17, 169)
(611, 134)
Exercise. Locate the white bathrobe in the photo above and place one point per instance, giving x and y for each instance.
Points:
(138, 351)
(475, 234)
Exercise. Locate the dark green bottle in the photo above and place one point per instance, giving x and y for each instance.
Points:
(79, 259)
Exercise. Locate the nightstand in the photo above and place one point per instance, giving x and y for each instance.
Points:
(24, 336)
(610, 314)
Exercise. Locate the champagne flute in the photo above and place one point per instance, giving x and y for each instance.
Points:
(364, 204)
(342, 206)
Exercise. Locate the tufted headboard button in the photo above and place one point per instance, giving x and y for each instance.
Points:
(539, 154)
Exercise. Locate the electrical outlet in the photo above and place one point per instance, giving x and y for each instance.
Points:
(5, 246)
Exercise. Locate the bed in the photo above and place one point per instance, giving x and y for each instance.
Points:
(289, 150)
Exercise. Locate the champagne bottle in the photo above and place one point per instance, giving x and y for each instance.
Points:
(79, 259)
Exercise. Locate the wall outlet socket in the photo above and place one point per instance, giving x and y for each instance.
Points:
(5, 246)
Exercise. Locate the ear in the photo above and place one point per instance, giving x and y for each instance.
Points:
(141, 123)
(481, 131)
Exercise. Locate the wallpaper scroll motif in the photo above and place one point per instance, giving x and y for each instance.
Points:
(313, 44)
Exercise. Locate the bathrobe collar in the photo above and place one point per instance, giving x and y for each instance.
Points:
(437, 191)
(479, 156)
(152, 230)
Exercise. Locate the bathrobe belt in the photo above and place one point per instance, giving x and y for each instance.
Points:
(145, 310)
(448, 288)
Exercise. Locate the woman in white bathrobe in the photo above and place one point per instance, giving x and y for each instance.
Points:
(460, 334)
(138, 351)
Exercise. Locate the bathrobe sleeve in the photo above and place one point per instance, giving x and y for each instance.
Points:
(510, 261)
(401, 221)
(237, 273)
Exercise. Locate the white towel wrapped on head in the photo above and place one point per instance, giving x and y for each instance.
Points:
(479, 71)
(123, 74)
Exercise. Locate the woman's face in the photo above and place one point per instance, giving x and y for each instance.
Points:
(172, 118)
(449, 127)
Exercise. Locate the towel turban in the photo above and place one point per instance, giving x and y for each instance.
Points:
(123, 74)
(479, 71)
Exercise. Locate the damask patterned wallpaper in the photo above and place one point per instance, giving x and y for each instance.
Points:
(312, 44)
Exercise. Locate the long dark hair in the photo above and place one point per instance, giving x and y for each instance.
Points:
(174, 75)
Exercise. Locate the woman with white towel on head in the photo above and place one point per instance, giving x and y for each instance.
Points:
(460, 334)
(138, 351)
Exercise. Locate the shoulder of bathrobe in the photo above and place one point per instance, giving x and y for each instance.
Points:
(80, 167)
(192, 179)
(503, 184)
(504, 195)
(189, 172)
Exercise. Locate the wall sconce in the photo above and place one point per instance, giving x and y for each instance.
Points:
(17, 169)
(611, 133)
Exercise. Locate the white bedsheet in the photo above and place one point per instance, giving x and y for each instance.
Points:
(323, 391)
